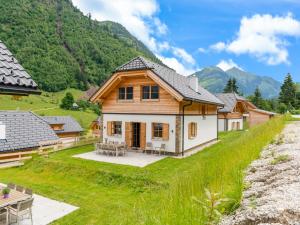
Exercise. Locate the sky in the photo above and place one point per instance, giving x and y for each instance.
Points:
(257, 36)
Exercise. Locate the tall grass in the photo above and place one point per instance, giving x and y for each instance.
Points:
(219, 169)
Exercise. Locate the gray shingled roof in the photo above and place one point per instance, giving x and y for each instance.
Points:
(69, 123)
(178, 82)
(13, 77)
(230, 100)
(24, 130)
(264, 111)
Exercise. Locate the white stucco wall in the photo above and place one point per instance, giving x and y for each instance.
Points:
(221, 124)
(235, 120)
(206, 130)
(148, 119)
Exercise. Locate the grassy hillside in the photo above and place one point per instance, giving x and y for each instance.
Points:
(215, 79)
(60, 47)
(48, 105)
(160, 193)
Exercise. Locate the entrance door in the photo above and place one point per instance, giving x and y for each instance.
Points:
(136, 128)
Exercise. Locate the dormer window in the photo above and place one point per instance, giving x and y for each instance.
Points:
(125, 93)
(150, 92)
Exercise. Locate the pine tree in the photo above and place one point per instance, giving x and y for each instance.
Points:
(257, 99)
(287, 94)
(67, 101)
(231, 86)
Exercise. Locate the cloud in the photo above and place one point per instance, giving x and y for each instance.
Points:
(264, 37)
(140, 19)
(227, 64)
(182, 54)
(220, 46)
(176, 65)
(201, 50)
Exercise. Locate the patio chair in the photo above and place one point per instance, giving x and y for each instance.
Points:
(161, 149)
(149, 148)
(3, 217)
(19, 188)
(20, 210)
(11, 186)
(28, 191)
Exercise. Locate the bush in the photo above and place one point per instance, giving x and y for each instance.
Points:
(67, 101)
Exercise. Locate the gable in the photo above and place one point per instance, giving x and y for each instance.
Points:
(166, 104)
(115, 80)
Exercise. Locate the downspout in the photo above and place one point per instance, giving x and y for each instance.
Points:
(183, 107)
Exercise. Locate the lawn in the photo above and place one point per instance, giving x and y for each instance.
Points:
(157, 194)
(47, 104)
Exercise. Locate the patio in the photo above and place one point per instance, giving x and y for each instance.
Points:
(130, 158)
(45, 210)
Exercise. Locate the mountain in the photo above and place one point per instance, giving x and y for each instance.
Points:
(214, 79)
(60, 47)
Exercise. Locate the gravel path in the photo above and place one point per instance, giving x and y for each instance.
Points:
(272, 184)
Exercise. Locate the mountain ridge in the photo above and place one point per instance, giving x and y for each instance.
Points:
(214, 79)
(61, 47)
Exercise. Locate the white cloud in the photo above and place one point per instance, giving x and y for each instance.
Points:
(137, 16)
(220, 46)
(264, 37)
(201, 50)
(140, 19)
(176, 65)
(182, 54)
(227, 64)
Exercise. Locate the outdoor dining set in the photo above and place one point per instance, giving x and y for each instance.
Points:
(15, 204)
(120, 149)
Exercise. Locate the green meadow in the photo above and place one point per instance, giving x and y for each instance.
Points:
(47, 104)
(160, 193)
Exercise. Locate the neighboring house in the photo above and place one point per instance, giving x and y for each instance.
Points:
(87, 94)
(66, 127)
(257, 116)
(95, 127)
(24, 131)
(237, 110)
(14, 80)
(232, 115)
(144, 102)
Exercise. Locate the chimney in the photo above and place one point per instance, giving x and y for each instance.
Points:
(193, 82)
(2, 131)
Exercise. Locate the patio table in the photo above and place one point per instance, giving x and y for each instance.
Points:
(14, 198)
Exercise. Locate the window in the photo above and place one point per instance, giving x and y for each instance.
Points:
(157, 130)
(125, 93)
(192, 130)
(150, 92)
(116, 128)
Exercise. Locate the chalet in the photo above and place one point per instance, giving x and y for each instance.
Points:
(232, 115)
(65, 127)
(237, 110)
(257, 116)
(24, 131)
(95, 127)
(147, 103)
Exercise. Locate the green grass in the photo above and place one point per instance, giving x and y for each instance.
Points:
(47, 104)
(157, 194)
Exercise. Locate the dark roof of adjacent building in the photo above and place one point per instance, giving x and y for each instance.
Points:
(24, 130)
(69, 123)
(178, 82)
(230, 100)
(264, 112)
(13, 77)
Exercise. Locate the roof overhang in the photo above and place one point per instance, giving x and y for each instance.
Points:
(18, 90)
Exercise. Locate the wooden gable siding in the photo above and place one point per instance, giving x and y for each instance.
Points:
(166, 104)
(196, 109)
